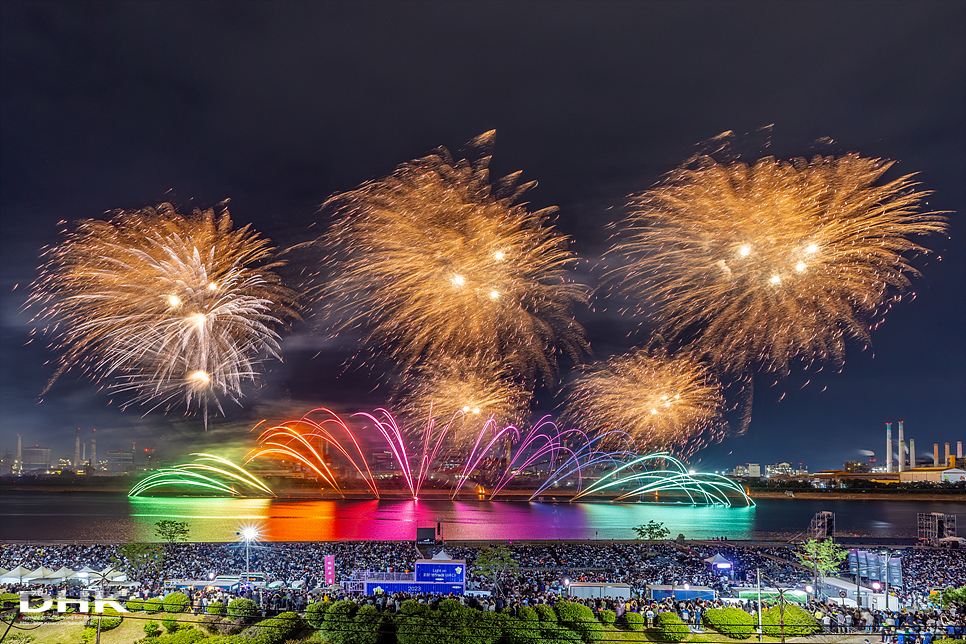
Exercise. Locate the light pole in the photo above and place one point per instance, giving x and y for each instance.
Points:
(249, 535)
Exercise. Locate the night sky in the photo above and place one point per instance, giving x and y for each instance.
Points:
(280, 105)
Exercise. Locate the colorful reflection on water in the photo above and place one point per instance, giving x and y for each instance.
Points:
(39, 516)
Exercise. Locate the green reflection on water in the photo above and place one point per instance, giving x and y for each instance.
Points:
(209, 519)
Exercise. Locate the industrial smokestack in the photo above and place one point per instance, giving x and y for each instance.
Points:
(935, 454)
(94, 449)
(888, 447)
(959, 449)
(77, 450)
(902, 448)
(912, 454)
(947, 453)
(18, 464)
(83, 452)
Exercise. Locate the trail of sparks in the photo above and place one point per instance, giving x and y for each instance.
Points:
(203, 475)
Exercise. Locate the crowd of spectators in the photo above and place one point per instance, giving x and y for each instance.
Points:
(542, 576)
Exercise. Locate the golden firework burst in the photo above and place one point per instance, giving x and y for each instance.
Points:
(662, 402)
(436, 262)
(164, 305)
(466, 393)
(776, 261)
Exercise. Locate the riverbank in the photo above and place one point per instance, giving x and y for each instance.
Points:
(859, 495)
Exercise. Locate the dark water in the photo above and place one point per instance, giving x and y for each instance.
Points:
(109, 516)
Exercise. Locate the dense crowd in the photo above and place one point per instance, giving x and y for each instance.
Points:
(543, 574)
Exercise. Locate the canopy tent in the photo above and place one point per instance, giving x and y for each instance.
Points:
(64, 573)
(40, 574)
(17, 575)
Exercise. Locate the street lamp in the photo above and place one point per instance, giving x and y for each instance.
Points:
(248, 534)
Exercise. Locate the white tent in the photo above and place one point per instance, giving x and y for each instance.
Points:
(113, 574)
(63, 573)
(40, 574)
(15, 576)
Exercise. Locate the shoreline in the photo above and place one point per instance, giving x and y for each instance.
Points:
(861, 496)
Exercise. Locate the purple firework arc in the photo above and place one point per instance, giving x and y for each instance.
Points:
(309, 440)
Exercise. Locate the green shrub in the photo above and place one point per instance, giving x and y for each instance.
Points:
(545, 613)
(110, 619)
(670, 628)
(170, 624)
(523, 631)
(798, 622)
(89, 635)
(338, 620)
(242, 607)
(581, 620)
(733, 622)
(634, 621)
(176, 602)
(315, 613)
(215, 608)
(528, 614)
(555, 633)
(449, 605)
(185, 635)
(134, 605)
(9, 600)
(152, 606)
(366, 624)
(413, 607)
(275, 630)
(151, 629)
(607, 617)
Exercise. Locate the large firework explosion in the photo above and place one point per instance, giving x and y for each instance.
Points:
(164, 305)
(777, 261)
(435, 262)
(464, 393)
(661, 402)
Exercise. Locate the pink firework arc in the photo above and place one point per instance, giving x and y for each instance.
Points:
(500, 453)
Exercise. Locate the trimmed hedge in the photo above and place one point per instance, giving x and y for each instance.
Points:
(338, 621)
(315, 614)
(242, 607)
(275, 630)
(730, 621)
(153, 605)
(545, 613)
(134, 605)
(634, 621)
(797, 621)
(176, 602)
(215, 608)
(670, 628)
(581, 620)
(607, 617)
(110, 619)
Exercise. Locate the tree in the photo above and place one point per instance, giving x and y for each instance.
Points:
(494, 561)
(172, 531)
(653, 531)
(823, 557)
(139, 561)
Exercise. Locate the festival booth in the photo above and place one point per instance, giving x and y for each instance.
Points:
(440, 575)
(720, 565)
(595, 591)
(771, 595)
(15, 576)
(657, 592)
(846, 593)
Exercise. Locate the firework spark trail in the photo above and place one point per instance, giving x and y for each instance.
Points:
(662, 402)
(477, 455)
(190, 475)
(163, 305)
(438, 263)
(588, 456)
(318, 429)
(712, 488)
(777, 261)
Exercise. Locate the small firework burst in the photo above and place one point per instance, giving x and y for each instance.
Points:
(662, 402)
